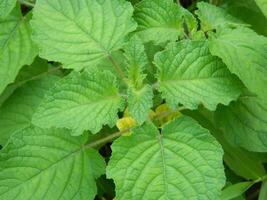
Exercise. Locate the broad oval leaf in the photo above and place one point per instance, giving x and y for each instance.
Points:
(245, 54)
(81, 101)
(263, 6)
(190, 75)
(182, 162)
(48, 164)
(17, 111)
(245, 123)
(81, 33)
(16, 46)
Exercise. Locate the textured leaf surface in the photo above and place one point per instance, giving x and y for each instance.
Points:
(81, 102)
(190, 75)
(158, 20)
(212, 17)
(48, 164)
(80, 33)
(263, 6)
(6, 7)
(16, 47)
(16, 113)
(183, 162)
(140, 95)
(139, 102)
(245, 123)
(245, 54)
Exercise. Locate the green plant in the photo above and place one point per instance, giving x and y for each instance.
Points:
(180, 97)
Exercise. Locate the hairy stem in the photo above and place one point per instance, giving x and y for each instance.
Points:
(26, 3)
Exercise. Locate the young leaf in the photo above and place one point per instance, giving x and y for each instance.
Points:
(235, 190)
(212, 17)
(16, 113)
(158, 20)
(16, 47)
(48, 164)
(6, 7)
(140, 95)
(81, 101)
(80, 33)
(244, 52)
(190, 75)
(183, 162)
(245, 123)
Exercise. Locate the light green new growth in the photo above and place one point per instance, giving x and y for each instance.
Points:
(48, 164)
(140, 94)
(80, 33)
(81, 101)
(188, 74)
(182, 162)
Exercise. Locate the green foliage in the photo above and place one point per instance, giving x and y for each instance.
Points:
(132, 99)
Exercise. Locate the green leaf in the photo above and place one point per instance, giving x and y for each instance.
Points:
(48, 164)
(6, 7)
(158, 20)
(250, 14)
(244, 163)
(212, 17)
(140, 95)
(139, 102)
(81, 101)
(244, 52)
(245, 123)
(190, 75)
(81, 33)
(263, 191)
(16, 47)
(16, 113)
(182, 162)
(263, 6)
(235, 190)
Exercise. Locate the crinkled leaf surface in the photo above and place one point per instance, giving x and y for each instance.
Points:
(245, 54)
(183, 162)
(81, 101)
(16, 47)
(6, 7)
(212, 17)
(140, 95)
(80, 33)
(245, 123)
(190, 75)
(16, 113)
(158, 20)
(48, 164)
(139, 102)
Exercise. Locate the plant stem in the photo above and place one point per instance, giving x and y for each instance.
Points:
(26, 3)
(106, 139)
(117, 68)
